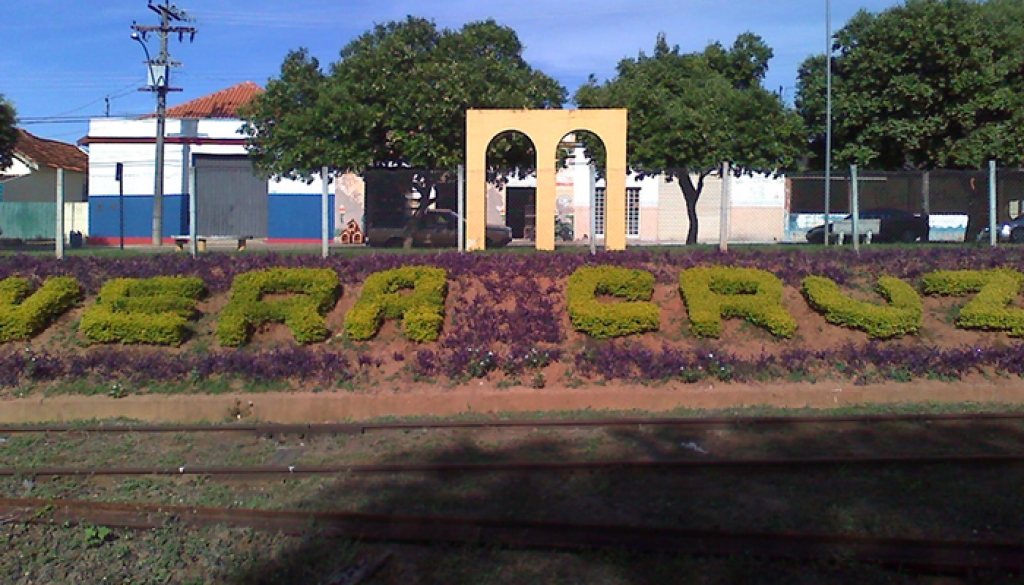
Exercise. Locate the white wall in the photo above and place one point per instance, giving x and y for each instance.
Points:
(76, 218)
(139, 159)
(17, 169)
(758, 191)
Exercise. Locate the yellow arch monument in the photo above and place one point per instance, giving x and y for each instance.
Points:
(546, 128)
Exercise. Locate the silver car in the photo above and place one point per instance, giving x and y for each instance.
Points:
(1009, 231)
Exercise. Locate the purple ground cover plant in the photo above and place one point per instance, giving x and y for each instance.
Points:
(514, 323)
(111, 363)
(867, 362)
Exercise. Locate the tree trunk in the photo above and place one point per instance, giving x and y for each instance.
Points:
(691, 193)
(424, 188)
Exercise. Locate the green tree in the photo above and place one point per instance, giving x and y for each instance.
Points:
(396, 97)
(929, 84)
(8, 132)
(689, 113)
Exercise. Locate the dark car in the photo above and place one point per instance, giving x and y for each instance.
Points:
(895, 225)
(1008, 231)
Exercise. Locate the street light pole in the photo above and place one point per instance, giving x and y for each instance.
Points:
(828, 113)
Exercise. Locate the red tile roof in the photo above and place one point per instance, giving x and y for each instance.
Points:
(50, 153)
(221, 104)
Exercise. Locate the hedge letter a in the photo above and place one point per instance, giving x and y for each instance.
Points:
(421, 310)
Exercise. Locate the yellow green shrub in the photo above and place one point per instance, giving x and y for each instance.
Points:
(416, 294)
(990, 310)
(711, 293)
(143, 310)
(302, 313)
(902, 316)
(603, 320)
(24, 314)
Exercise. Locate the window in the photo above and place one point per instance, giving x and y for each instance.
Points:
(632, 211)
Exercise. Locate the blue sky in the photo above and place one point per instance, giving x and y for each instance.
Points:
(64, 57)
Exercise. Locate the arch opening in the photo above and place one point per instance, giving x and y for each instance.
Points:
(580, 190)
(511, 195)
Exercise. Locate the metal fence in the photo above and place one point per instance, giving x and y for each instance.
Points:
(30, 221)
(953, 205)
(959, 205)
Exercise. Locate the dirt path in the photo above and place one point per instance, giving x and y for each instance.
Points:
(420, 400)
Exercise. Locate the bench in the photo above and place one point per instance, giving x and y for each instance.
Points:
(867, 228)
(181, 241)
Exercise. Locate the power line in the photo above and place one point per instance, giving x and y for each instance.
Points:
(35, 121)
(130, 88)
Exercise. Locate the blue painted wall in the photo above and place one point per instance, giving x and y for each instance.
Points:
(104, 214)
(297, 216)
(292, 216)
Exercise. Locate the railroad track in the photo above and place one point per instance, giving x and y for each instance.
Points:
(272, 429)
(925, 555)
(765, 464)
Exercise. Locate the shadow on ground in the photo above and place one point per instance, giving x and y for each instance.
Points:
(932, 501)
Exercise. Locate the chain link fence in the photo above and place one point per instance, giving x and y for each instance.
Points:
(907, 206)
(939, 206)
(955, 204)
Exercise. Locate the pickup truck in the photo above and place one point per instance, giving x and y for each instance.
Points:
(438, 229)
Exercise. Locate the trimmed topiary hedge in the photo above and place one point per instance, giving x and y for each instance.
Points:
(24, 314)
(990, 309)
(604, 320)
(421, 310)
(143, 310)
(901, 317)
(711, 293)
(303, 314)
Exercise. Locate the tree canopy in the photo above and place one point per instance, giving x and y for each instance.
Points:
(396, 97)
(926, 84)
(8, 132)
(689, 113)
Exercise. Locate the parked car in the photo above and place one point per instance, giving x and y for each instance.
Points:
(895, 225)
(438, 229)
(1009, 231)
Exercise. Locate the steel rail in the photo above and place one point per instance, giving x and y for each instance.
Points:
(929, 555)
(521, 466)
(359, 428)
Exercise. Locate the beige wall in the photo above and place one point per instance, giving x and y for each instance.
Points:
(757, 224)
(673, 222)
(41, 185)
(746, 223)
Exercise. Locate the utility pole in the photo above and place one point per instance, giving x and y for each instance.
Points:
(159, 81)
(828, 115)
